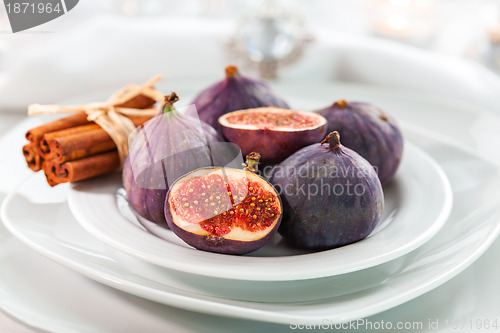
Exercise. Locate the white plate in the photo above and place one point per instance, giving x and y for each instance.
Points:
(59, 300)
(417, 204)
(52, 298)
(36, 215)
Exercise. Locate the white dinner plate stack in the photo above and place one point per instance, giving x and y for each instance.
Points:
(441, 214)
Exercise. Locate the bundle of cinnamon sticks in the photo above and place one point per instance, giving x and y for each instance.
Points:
(75, 148)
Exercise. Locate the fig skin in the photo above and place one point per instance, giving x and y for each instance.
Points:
(216, 243)
(220, 244)
(143, 201)
(235, 92)
(274, 144)
(152, 164)
(369, 131)
(344, 207)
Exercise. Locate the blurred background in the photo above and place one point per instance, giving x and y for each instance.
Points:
(102, 44)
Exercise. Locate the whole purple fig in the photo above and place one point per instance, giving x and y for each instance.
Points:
(369, 131)
(235, 92)
(331, 196)
(165, 148)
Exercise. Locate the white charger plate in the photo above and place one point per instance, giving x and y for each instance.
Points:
(411, 217)
(38, 216)
(75, 304)
(52, 298)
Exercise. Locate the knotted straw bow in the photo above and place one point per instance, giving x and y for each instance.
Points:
(107, 115)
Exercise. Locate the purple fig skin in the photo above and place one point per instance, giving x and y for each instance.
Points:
(235, 92)
(331, 196)
(274, 145)
(156, 161)
(218, 244)
(369, 131)
(143, 201)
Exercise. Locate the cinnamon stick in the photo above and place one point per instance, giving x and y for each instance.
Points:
(44, 142)
(138, 102)
(73, 171)
(38, 149)
(33, 156)
(51, 169)
(93, 141)
(35, 135)
(80, 142)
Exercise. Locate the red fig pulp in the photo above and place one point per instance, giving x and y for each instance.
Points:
(369, 131)
(276, 133)
(331, 196)
(235, 92)
(223, 210)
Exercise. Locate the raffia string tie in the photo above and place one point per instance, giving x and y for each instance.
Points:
(107, 115)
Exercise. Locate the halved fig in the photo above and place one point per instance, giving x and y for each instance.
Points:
(234, 92)
(276, 133)
(223, 210)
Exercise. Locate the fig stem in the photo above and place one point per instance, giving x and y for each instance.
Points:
(252, 162)
(342, 103)
(333, 139)
(168, 102)
(231, 71)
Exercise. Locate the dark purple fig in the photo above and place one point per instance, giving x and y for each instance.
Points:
(165, 148)
(369, 131)
(235, 92)
(274, 132)
(331, 196)
(224, 210)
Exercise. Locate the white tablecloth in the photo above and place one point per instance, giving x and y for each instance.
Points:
(106, 51)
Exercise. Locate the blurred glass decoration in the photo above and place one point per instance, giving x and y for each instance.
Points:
(268, 38)
(412, 21)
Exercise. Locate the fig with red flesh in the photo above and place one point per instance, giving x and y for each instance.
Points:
(235, 92)
(369, 131)
(167, 147)
(331, 196)
(224, 210)
(274, 132)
